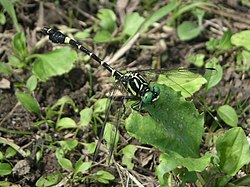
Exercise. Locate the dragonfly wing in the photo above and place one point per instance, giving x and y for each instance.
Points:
(108, 131)
(185, 80)
(107, 112)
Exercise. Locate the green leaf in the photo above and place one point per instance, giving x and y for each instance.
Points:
(82, 167)
(10, 152)
(2, 18)
(173, 124)
(5, 169)
(197, 60)
(233, 151)
(86, 116)
(228, 115)
(241, 39)
(188, 30)
(132, 23)
(214, 79)
(68, 144)
(66, 164)
(48, 180)
(170, 161)
(90, 147)
(128, 154)
(28, 102)
(220, 45)
(15, 62)
(243, 61)
(60, 153)
(19, 45)
(66, 123)
(82, 35)
(182, 80)
(31, 83)
(104, 176)
(100, 105)
(8, 6)
(4, 68)
(108, 19)
(102, 37)
(55, 63)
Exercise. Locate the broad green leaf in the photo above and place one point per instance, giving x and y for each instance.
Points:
(8, 6)
(82, 167)
(182, 80)
(214, 79)
(19, 45)
(228, 115)
(173, 124)
(170, 161)
(188, 30)
(100, 105)
(108, 19)
(2, 18)
(68, 144)
(66, 164)
(102, 37)
(66, 123)
(132, 22)
(31, 83)
(241, 39)
(104, 176)
(220, 45)
(4, 68)
(55, 63)
(28, 102)
(243, 61)
(46, 181)
(82, 35)
(5, 169)
(10, 152)
(60, 153)
(197, 60)
(233, 151)
(86, 116)
(15, 62)
(128, 154)
(90, 147)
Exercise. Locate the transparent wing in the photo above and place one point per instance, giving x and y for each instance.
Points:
(107, 112)
(179, 73)
(185, 80)
(108, 131)
(111, 133)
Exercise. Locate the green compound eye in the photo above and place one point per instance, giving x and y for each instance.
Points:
(147, 98)
(156, 90)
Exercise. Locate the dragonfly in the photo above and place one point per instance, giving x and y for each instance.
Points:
(133, 82)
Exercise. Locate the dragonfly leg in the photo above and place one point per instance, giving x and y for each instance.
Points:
(137, 106)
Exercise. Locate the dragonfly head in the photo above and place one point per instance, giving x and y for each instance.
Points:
(151, 96)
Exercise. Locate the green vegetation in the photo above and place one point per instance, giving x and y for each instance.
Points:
(196, 133)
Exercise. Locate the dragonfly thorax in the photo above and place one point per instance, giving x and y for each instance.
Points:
(135, 84)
